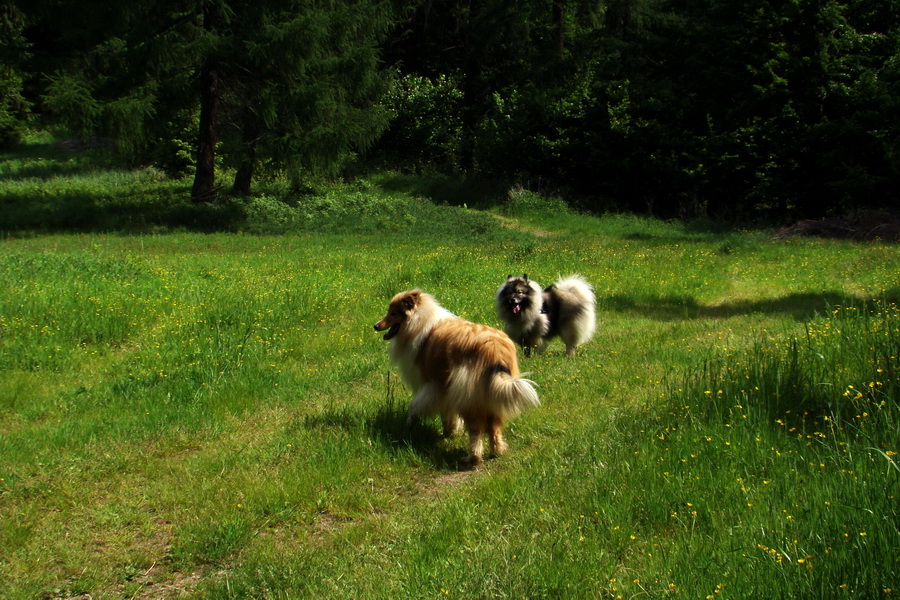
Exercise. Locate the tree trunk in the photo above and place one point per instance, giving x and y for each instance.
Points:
(473, 104)
(559, 25)
(249, 135)
(205, 176)
(470, 109)
(243, 178)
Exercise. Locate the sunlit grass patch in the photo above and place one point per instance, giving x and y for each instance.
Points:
(215, 412)
(790, 448)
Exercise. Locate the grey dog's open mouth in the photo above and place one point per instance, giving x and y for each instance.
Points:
(516, 309)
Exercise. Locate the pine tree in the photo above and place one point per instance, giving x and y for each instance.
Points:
(291, 83)
(301, 88)
(14, 108)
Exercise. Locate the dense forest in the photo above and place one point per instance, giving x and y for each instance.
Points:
(679, 108)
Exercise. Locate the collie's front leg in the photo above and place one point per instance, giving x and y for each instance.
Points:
(452, 424)
(423, 404)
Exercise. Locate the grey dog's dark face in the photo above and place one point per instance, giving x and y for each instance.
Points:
(517, 295)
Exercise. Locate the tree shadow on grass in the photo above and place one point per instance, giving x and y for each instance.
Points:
(800, 306)
(50, 189)
(126, 212)
(446, 190)
(46, 161)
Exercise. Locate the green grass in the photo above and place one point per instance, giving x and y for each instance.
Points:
(211, 415)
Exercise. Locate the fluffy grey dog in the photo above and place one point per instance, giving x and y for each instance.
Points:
(532, 316)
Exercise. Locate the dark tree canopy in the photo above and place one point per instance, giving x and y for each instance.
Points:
(715, 108)
(710, 108)
(14, 49)
(290, 83)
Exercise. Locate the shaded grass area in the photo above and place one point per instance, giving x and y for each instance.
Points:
(47, 189)
(801, 306)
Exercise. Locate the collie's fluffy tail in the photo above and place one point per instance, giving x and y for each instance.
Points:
(495, 391)
(512, 394)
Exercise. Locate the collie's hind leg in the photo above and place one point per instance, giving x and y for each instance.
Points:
(476, 444)
(498, 444)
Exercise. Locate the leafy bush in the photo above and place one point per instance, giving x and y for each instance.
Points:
(521, 202)
(264, 214)
(425, 124)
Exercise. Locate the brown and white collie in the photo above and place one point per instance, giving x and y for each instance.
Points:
(456, 369)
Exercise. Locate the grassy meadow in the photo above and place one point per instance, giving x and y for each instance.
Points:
(187, 413)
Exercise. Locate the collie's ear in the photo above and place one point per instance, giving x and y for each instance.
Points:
(411, 300)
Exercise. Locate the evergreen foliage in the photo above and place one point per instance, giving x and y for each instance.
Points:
(14, 108)
(302, 85)
(708, 108)
(288, 84)
(760, 110)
